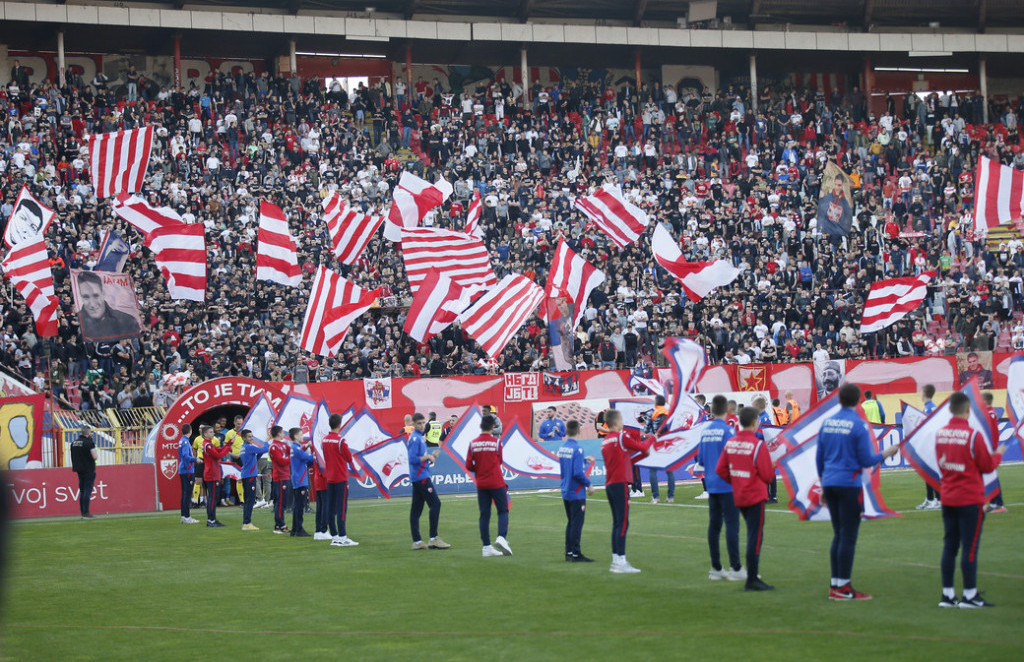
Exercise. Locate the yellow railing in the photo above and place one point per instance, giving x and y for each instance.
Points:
(119, 434)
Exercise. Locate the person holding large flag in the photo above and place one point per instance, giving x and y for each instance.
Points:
(187, 472)
(721, 505)
(964, 456)
(252, 451)
(423, 492)
(280, 456)
(484, 460)
(844, 451)
(301, 460)
(212, 475)
(575, 488)
(620, 449)
(337, 457)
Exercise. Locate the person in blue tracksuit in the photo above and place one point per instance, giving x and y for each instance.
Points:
(720, 500)
(423, 492)
(187, 473)
(763, 419)
(575, 488)
(844, 451)
(553, 428)
(252, 450)
(302, 460)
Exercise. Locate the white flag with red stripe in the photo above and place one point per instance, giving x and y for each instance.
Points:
(28, 266)
(999, 194)
(498, 314)
(618, 218)
(575, 277)
(460, 256)
(276, 258)
(350, 231)
(413, 198)
(476, 208)
(333, 303)
(697, 278)
(144, 217)
(118, 161)
(179, 250)
(889, 301)
(436, 304)
(29, 219)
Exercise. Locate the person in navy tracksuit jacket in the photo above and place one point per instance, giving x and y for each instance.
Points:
(423, 492)
(844, 451)
(721, 505)
(252, 450)
(763, 419)
(575, 488)
(302, 459)
(187, 473)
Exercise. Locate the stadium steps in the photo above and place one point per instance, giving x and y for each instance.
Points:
(999, 234)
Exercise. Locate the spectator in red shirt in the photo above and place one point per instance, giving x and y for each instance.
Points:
(484, 460)
(747, 466)
(964, 457)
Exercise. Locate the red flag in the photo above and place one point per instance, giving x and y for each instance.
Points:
(697, 278)
(460, 256)
(621, 220)
(889, 301)
(437, 304)
(413, 198)
(999, 197)
(473, 217)
(350, 230)
(118, 161)
(139, 213)
(498, 314)
(28, 267)
(276, 258)
(572, 277)
(180, 253)
(333, 303)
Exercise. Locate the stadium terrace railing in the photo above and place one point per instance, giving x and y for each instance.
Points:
(119, 434)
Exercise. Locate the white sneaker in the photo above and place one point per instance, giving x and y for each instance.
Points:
(702, 496)
(636, 494)
(343, 541)
(335, 541)
(320, 535)
(654, 499)
(259, 504)
(924, 505)
(502, 546)
(715, 575)
(935, 505)
(189, 520)
(624, 568)
(489, 550)
(735, 575)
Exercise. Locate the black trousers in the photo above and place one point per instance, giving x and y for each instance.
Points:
(845, 505)
(575, 513)
(722, 508)
(280, 490)
(86, 480)
(423, 493)
(188, 482)
(299, 496)
(484, 499)
(249, 498)
(618, 499)
(962, 534)
(754, 517)
(211, 500)
(337, 507)
(321, 511)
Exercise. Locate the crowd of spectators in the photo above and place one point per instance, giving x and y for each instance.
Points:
(727, 181)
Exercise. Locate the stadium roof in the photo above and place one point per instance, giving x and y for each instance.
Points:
(860, 14)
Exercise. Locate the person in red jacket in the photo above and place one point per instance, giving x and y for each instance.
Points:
(620, 448)
(747, 466)
(963, 456)
(320, 490)
(281, 457)
(212, 454)
(337, 457)
(484, 460)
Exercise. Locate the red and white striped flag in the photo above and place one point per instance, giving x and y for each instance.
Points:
(460, 256)
(29, 218)
(144, 217)
(999, 194)
(618, 218)
(498, 314)
(27, 265)
(276, 258)
(333, 303)
(118, 161)
(413, 198)
(180, 253)
(476, 208)
(889, 301)
(697, 278)
(350, 231)
(436, 304)
(574, 276)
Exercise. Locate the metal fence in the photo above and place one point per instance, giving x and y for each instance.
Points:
(119, 434)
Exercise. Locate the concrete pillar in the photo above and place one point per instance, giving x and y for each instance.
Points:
(60, 58)
(753, 82)
(177, 61)
(292, 64)
(410, 91)
(983, 87)
(636, 65)
(524, 74)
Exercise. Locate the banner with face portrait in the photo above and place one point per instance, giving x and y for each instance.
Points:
(828, 376)
(29, 219)
(835, 205)
(106, 305)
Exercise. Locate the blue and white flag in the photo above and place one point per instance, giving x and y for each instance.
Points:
(524, 456)
(386, 463)
(297, 412)
(919, 447)
(260, 419)
(456, 444)
(1015, 394)
(805, 428)
(113, 253)
(672, 450)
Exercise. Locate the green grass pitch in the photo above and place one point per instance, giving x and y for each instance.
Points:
(146, 587)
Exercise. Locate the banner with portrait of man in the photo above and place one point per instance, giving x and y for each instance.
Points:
(835, 202)
(29, 219)
(828, 376)
(974, 364)
(106, 305)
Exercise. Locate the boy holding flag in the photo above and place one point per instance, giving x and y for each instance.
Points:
(620, 449)
(251, 452)
(575, 488)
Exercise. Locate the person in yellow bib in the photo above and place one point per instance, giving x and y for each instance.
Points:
(432, 434)
(873, 410)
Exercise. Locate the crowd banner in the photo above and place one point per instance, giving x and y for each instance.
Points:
(129, 488)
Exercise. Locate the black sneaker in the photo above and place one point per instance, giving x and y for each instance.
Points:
(301, 534)
(213, 524)
(756, 584)
(977, 602)
(569, 558)
(773, 500)
(582, 559)
(88, 516)
(948, 603)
